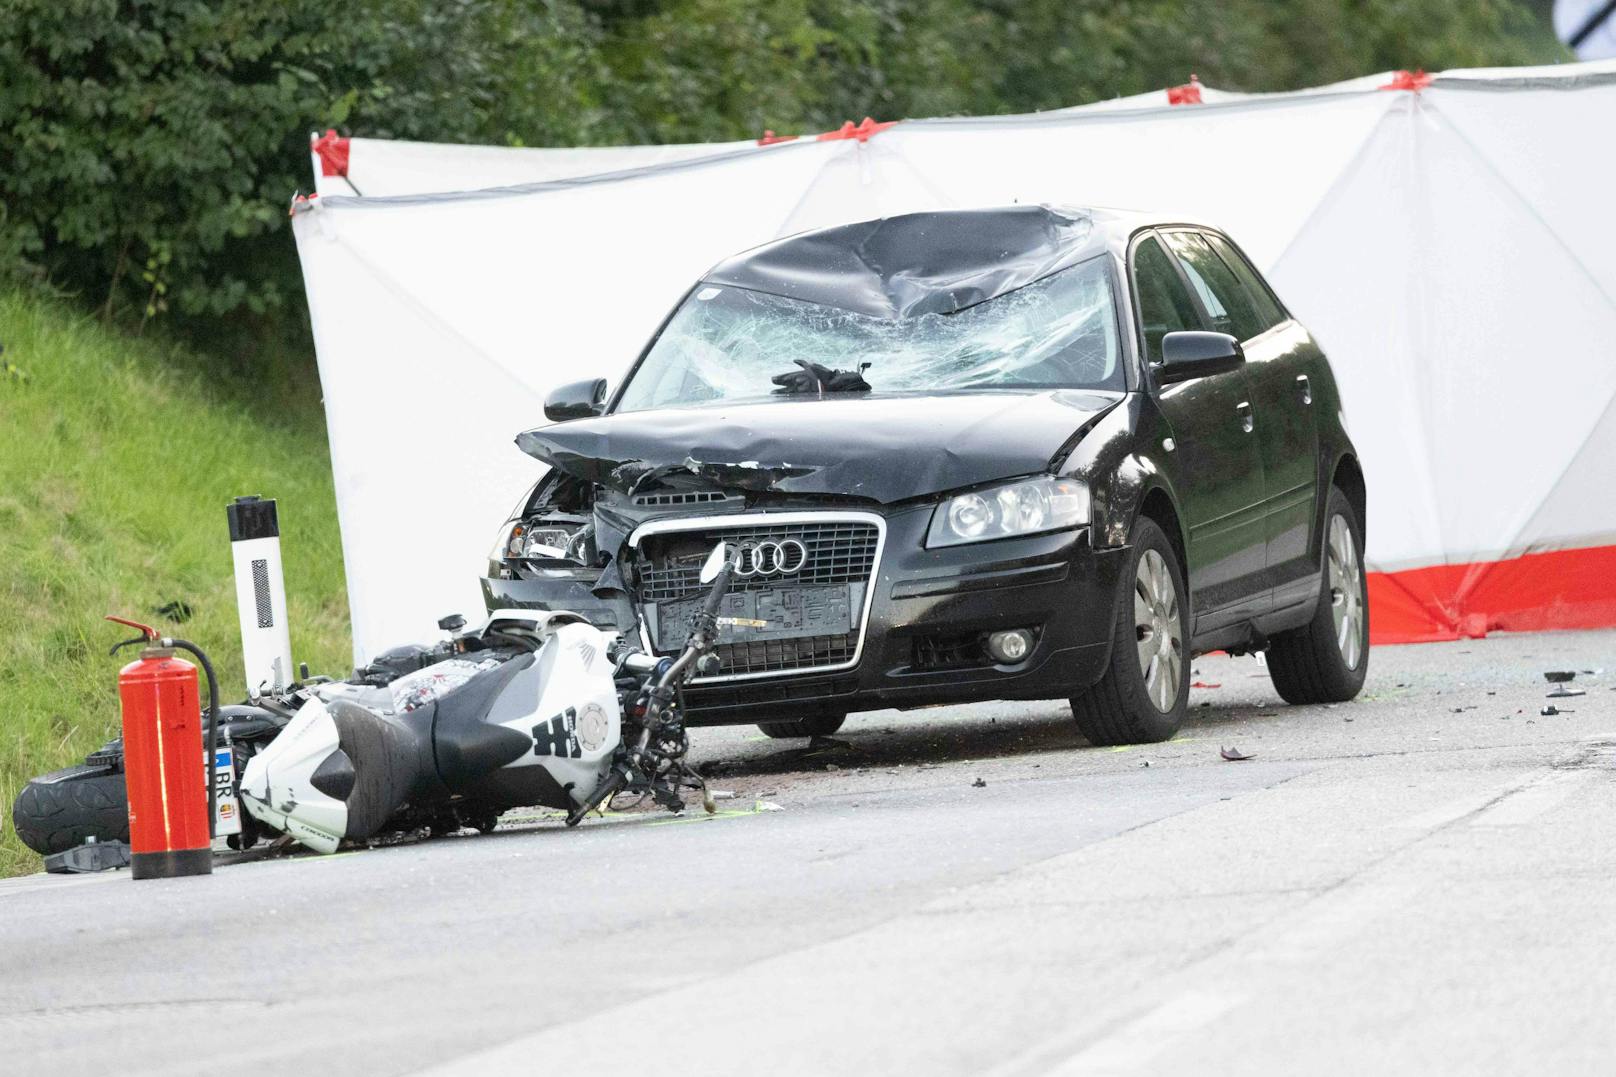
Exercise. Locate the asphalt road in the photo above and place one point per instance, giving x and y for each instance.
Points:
(1422, 881)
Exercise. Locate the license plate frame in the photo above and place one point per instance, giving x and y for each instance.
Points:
(787, 612)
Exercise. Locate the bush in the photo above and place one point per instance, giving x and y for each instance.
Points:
(150, 147)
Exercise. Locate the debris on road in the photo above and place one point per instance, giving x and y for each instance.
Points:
(821, 745)
(1234, 755)
(1561, 678)
(766, 805)
(723, 794)
(979, 784)
(91, 856)
(1204, 684)
(1551, 710)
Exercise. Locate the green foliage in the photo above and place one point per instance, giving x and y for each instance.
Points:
(150, 146)
(117, 458)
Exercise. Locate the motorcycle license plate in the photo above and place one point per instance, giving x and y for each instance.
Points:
(226, 812)
(785, 613)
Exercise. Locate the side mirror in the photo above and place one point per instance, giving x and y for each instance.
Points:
(576, 400)
(715, 563)
(1193, 354)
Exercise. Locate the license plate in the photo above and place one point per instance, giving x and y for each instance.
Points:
(784, 613)
(226, 812)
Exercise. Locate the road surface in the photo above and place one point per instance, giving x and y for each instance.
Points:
(1421, 881)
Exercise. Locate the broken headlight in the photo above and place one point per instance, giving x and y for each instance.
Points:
(1027, 507)
(528, 540)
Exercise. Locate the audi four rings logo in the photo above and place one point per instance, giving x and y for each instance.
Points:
(770, 558)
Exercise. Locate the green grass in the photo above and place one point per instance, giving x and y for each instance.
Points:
(116, 461)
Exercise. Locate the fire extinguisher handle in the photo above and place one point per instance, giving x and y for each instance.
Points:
(148, 633)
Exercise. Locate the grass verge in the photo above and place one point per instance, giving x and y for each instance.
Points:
(116, 461)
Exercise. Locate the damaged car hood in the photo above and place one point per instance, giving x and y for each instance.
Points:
(915, 263)
(884, 448)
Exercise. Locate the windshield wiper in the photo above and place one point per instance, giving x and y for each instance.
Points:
(819, 380)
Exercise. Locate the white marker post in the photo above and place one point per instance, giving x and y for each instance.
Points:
(266, 645)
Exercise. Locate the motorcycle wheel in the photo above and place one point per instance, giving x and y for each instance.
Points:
(58, 811)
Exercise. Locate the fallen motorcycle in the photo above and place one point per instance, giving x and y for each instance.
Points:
(532, 708)
(538, 708)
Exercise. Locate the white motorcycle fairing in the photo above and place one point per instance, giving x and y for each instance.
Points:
(277, 788)
(495, 728)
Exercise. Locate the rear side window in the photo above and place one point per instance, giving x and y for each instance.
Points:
(1232, 308)
(1263, 299)
(1164, 304)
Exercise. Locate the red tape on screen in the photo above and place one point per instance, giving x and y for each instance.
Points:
(1531, 593)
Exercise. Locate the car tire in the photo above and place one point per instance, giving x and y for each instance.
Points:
(58, 811)
(1326, 660)
(1141, 699)
(815, 725)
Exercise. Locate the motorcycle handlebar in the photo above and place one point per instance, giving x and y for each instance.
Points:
(715, 597)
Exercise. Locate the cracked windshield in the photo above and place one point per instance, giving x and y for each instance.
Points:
(729, 344)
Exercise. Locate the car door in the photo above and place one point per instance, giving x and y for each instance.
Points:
(1279, 355)
(1214, 456)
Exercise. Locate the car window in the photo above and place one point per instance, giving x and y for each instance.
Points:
(1268, 309)
(1230, 306)
(1165, 305)
(728, 344)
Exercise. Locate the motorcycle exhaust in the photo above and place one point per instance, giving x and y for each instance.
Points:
(266, 644)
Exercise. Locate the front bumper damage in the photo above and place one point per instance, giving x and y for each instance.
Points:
(928, 610)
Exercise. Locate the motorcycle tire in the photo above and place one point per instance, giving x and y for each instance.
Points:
(58, 811)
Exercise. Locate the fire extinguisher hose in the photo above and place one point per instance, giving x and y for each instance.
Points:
(213, 724)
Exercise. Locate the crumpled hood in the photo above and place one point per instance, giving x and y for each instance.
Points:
(915, 263)
(884, 448)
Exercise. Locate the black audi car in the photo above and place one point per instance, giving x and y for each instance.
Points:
(1019, 453)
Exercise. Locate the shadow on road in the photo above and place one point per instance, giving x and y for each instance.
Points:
(950, 737)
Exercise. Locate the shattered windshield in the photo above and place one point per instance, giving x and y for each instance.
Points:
(727, 344)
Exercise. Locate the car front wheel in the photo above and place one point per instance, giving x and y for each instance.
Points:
(1143, 694)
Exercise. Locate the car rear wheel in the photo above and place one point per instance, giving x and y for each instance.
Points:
(1142, 697)
(1326, 660)
(815, 725)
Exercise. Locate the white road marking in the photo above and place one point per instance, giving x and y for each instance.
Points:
(1142, 1039)
(1529, 803)
(1328, 922)
(1454, 810)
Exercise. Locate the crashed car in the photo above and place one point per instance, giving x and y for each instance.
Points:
(1020, 453)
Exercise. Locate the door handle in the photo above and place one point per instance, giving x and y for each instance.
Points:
(1307, 388)
(1243, 409)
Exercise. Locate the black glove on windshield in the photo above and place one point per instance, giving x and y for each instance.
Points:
(818, 379)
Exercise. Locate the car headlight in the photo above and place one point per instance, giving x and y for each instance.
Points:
(523, 540)
(1027, 507)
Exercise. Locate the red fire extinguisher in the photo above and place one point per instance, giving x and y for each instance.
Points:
(171, 798)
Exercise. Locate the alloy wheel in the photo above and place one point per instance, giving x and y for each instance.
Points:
(1346, 591)
(1157, 629)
